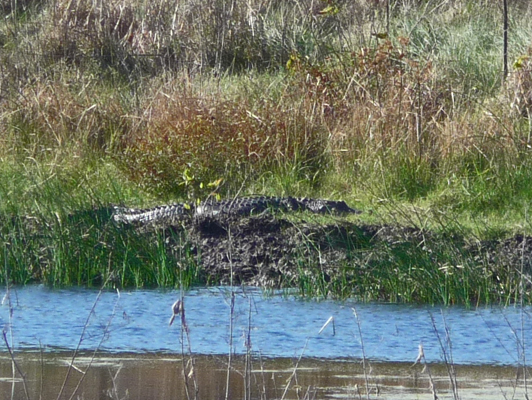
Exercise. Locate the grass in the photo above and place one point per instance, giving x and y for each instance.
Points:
(404, 267)
(66, 237)
(126, 102)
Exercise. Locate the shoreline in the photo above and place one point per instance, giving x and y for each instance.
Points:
(321, 257)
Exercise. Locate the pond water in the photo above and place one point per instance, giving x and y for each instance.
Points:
(35, 317)
(293, 352)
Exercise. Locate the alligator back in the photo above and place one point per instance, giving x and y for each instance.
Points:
(159, 213)
(246, 205)
(236, 206)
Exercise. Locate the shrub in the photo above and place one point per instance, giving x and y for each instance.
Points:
(184, 141)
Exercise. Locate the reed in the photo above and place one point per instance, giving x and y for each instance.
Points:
(70, 386)
(391, 263)
(64, 236)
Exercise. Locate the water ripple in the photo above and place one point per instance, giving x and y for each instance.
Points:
(281, 326)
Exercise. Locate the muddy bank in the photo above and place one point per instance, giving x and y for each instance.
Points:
(273, 251)
(339, 258)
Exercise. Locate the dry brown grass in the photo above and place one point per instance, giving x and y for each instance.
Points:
(381, 101)
(106, 75)
(115, 33)
(50, 115)
(151, 37)
(519, 86)
(178, 135)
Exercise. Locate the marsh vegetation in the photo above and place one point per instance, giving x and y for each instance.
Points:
(401, 108)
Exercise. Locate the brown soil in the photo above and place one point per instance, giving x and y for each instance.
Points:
(273, 251)
(269, 250)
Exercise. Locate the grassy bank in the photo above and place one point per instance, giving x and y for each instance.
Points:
(401, 110)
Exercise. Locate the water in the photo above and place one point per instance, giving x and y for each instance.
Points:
(158, 377)
(279, 326)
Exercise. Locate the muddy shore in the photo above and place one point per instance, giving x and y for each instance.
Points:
(319, 256)
(272, 251)
(160, 377)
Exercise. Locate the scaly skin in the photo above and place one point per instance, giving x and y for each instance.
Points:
(238, 206)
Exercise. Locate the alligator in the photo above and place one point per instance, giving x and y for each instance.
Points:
(241, 206)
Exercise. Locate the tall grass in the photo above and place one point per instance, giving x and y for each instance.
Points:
(71, 240)
(399, 103)
(66, 236)
(384, 263)
(178, 95)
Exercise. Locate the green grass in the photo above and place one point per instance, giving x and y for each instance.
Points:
(66, 236)
(87, 249)
(410, 266)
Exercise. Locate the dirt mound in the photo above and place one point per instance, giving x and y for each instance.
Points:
(270, 251)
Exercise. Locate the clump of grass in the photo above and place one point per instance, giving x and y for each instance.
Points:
(64, 235)
(133, 39)
(115, 36)
(380, 105)
(519, 86)
(52, 115)
(183, 142)
(433, 273)
(393, 264)
(87, 249)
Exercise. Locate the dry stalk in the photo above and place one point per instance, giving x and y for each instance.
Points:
(426, 367)
(16, 366)
(446, 349)
(177, 309)
(187, 360)
(521, 305)
(113, 393)
(263, 388)
(81, 337)
(231, 318)
(248, 365)
(42, 370)
(364, 367)
(93, 356)
(505, 40)
(294, 372)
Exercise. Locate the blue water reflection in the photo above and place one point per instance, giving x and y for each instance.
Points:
(281, 326)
